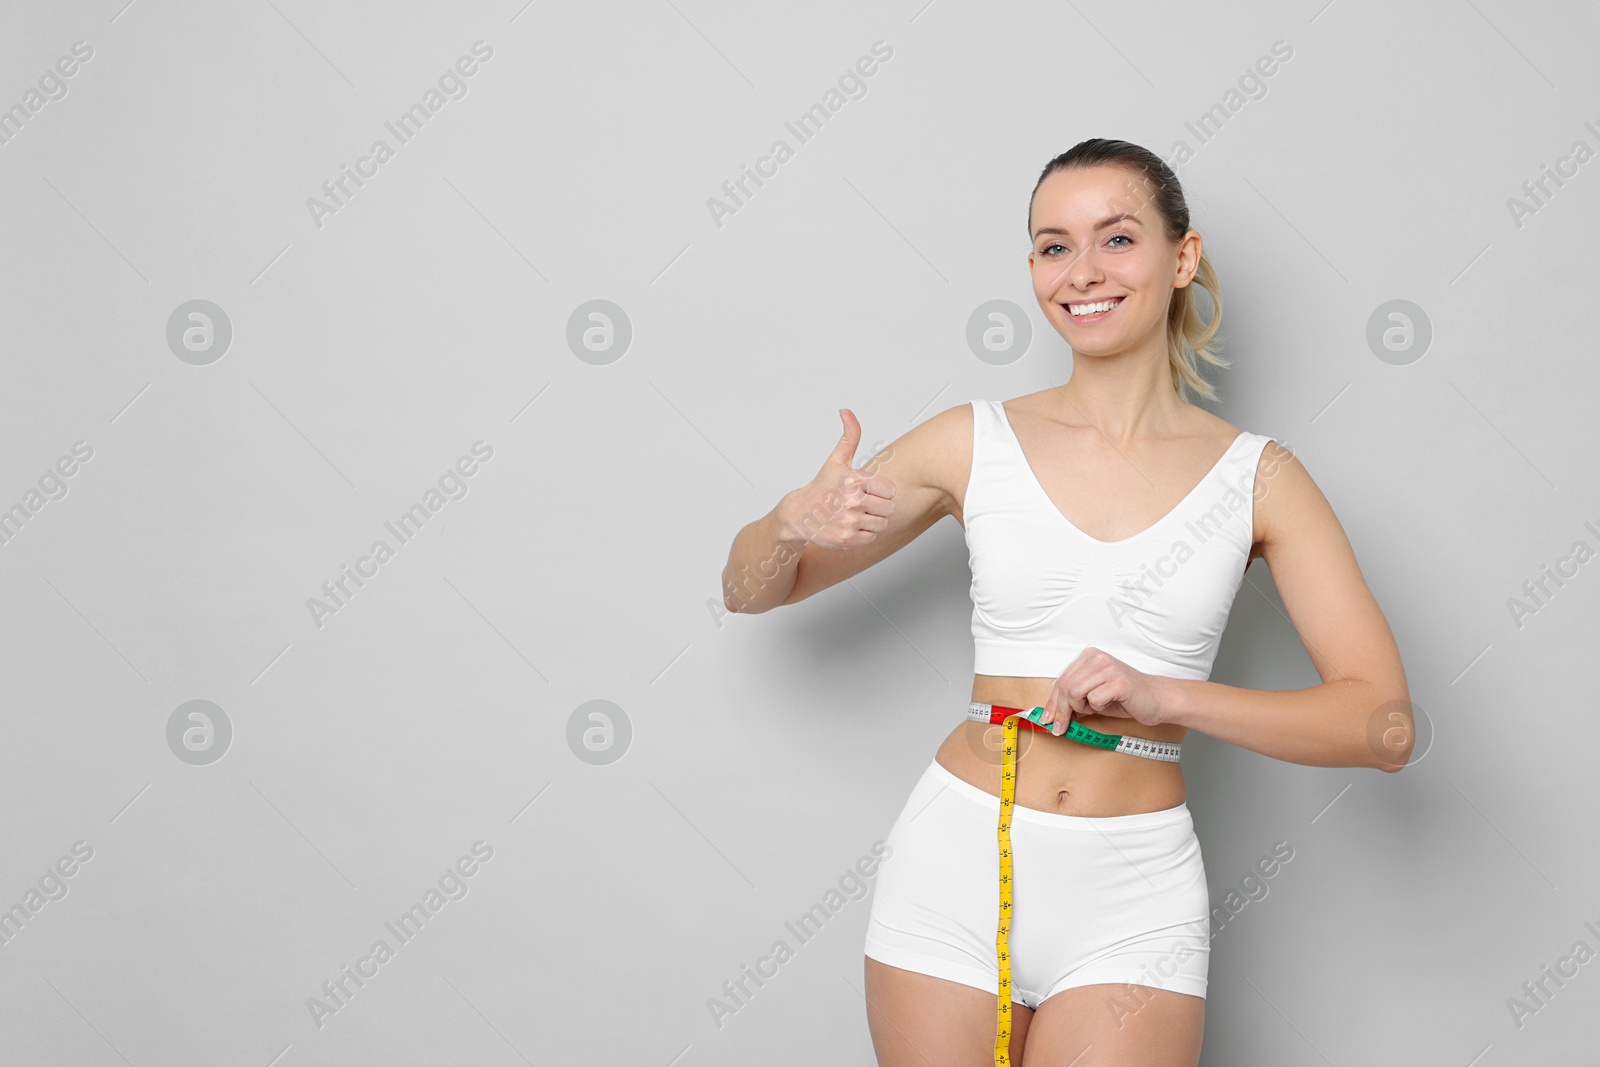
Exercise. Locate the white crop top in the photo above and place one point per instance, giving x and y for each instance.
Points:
(1043, 590)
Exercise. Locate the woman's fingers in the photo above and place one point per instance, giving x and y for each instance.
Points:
(1050, 714)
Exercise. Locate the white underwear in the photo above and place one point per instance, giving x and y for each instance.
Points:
(1120, 899)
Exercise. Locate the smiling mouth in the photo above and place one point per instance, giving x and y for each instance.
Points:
(1093, 311)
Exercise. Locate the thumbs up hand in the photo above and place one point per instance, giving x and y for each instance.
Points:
(841, 507)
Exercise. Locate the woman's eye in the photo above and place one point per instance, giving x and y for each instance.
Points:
(1050, 249)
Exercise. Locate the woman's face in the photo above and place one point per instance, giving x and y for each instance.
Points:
(1098, 237)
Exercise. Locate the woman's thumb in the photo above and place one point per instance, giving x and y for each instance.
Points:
(845, 451)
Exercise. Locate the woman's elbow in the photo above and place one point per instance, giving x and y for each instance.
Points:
(1391, 736)
(1401, 759)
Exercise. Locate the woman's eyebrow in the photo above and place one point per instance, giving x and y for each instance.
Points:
(1108, 221)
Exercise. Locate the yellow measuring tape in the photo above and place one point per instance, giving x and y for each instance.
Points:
(1002, 938)
(1167, 751)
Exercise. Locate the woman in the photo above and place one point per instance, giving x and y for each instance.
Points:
(1109, 522)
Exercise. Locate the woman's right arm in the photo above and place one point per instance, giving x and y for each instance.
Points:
(845, 519)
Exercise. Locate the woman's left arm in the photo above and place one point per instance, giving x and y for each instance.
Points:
(1360, 716)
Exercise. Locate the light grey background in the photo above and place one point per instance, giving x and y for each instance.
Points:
(768, 753)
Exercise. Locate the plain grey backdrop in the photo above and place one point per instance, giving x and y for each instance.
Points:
(544, 356)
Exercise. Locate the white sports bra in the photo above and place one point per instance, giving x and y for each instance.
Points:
(1043, 590)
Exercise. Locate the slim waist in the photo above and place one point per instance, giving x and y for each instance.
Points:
(1165, 751)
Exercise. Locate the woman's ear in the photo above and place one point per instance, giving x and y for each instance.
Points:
(1189, 249)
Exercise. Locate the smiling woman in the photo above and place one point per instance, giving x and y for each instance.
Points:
(1109, 522)
(1161, 209)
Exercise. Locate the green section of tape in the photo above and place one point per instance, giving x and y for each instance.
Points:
(1079, 732)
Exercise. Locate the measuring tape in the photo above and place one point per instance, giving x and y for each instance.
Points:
(1166, 751)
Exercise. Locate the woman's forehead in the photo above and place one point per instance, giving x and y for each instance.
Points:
(1091, 194)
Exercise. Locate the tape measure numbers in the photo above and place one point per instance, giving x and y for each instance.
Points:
(1166, 751)
(1009, 718)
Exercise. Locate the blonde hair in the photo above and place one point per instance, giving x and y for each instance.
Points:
(1191, 340)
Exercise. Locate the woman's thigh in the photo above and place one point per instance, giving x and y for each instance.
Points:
(1115, 1025)
(918, 1020)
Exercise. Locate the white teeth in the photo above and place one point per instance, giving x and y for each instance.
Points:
(1080, 310)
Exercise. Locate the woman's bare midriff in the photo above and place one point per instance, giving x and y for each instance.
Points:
(1056, 774)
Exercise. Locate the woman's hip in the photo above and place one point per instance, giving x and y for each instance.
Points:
(946, 853)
